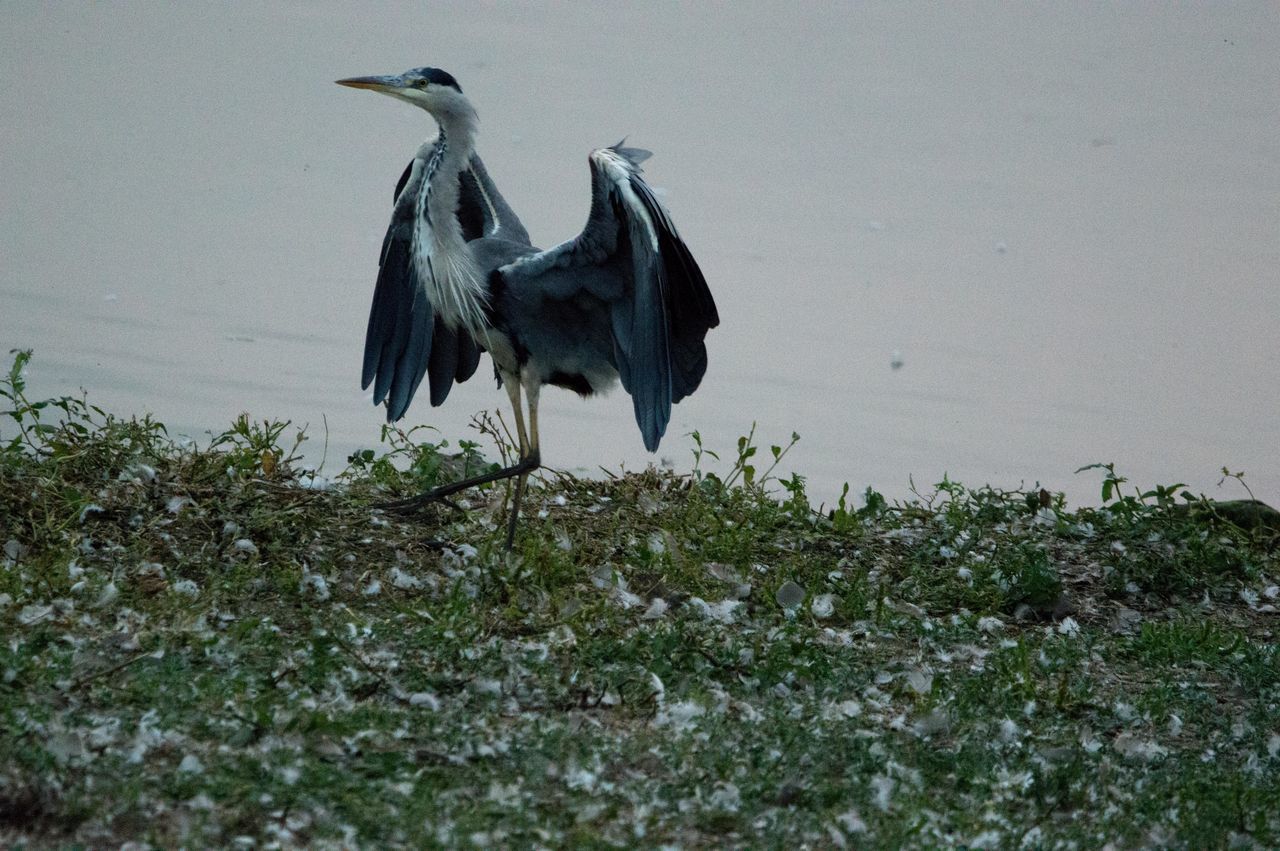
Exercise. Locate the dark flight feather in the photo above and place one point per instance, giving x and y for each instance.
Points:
(658, 305)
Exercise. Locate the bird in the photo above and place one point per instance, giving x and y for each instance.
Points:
(622, 302)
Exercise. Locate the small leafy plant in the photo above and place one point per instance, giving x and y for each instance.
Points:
(1129, 505)
(202, 650)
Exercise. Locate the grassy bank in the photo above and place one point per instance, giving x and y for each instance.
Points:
(202, 646)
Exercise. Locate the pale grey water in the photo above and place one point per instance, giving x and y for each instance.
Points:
(1065, 217)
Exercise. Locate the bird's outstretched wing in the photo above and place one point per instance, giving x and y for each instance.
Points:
(482, 211)
(630, 256)
(406, 340)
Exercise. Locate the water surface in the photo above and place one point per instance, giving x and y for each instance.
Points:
(1065, 219)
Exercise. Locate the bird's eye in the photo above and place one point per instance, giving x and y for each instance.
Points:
(421, 84)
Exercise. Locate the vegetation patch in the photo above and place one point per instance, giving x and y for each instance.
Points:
(209, 646)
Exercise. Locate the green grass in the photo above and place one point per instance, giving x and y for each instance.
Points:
(200, 649)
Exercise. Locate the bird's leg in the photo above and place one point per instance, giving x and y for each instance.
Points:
(513, 393)
(529, 461)
(533, 390)
(528, 454)
(514, 514)
(436, 494)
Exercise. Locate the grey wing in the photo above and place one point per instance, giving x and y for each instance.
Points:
(405, 340)
(630, 256)
(482, 211)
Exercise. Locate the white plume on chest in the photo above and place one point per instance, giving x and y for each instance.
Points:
(441, 257)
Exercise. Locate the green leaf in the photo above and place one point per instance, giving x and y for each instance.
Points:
(21, 356)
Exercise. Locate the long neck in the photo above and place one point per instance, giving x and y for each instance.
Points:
(445, 264)
(450, 153)
(460, 127)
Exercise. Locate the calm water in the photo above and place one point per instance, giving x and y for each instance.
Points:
(1066, 219)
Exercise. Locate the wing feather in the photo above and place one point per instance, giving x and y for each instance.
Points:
(691, 309)
(412, 359)
(443, 364)
(499, 220)
(401, 319)
(401, 326)
(631, 257)
(406, 340)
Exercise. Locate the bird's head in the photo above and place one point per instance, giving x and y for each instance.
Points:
(430, 88)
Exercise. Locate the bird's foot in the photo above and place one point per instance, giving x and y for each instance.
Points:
(413, 503)
(525, 465)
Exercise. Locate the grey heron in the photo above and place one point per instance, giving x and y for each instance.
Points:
(623, 301)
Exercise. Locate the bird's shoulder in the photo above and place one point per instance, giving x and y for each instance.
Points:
(492, 253)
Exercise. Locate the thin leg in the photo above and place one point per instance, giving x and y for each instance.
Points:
(529, 461)
(533, 455)
(533, 390)
(523, 466)
(513, 393)
(514, 514)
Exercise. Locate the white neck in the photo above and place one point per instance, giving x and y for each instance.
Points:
(444, 262)
(459, 125)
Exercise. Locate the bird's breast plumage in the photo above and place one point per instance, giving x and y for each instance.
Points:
(442, 260)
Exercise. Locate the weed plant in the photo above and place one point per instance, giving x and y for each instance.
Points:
(209, 645)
